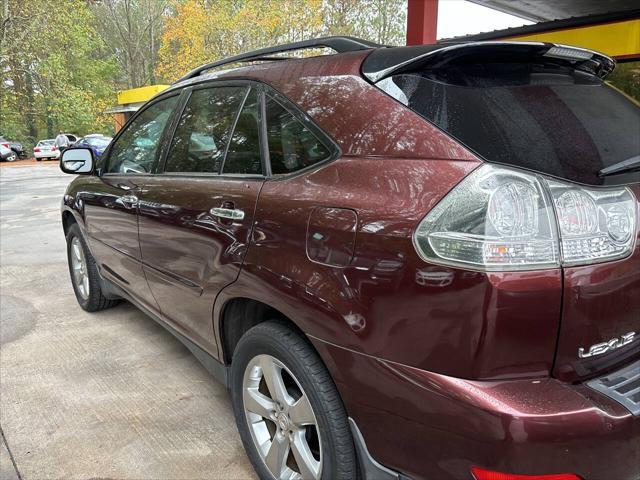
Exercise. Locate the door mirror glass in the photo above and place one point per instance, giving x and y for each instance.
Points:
(77, 161)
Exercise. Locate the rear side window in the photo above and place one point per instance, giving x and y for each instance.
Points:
(203, 131)
(292, 146)
(550, 119)
(243, 154)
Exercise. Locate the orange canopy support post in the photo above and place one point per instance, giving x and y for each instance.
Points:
(422, 22)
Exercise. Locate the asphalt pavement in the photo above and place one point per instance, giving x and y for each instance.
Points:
(108, 395)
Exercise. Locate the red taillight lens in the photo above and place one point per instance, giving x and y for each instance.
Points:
(5, 145)
(481, 474)
(36, 149)
(54, 148)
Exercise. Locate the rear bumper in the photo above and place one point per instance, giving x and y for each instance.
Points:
(46, 154)
(427, 425)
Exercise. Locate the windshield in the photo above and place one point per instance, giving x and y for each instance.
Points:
(550, 119)
(43, 143)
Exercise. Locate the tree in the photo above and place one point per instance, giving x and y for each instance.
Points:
(51, 77)
(204, 30)
(380, 21)
(131, 31)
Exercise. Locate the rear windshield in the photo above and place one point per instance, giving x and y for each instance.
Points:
(550, 119)
(98, 141)
(46, 142)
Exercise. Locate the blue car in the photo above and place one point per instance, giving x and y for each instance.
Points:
(97, 143)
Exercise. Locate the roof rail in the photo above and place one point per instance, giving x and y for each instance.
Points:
(339, 44)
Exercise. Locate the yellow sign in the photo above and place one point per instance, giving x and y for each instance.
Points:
(140, 94)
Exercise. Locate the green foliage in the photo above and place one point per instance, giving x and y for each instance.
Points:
(626, 77)
(131, 31)
(52, 78)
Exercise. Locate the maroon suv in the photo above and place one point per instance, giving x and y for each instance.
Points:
(410, 262)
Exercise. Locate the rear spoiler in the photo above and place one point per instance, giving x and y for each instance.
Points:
(385, 62)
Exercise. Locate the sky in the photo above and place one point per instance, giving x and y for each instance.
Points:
(460, 17)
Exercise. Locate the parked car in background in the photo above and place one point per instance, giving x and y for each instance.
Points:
(46, 149)
(15, 146)
(6, 154)
(96, 142)
(405, 262)
(72, 138)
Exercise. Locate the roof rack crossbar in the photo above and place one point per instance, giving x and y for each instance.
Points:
(339, 44)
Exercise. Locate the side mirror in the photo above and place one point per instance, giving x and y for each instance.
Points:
(77, 160)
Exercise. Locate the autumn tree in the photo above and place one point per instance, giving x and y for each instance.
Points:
(202, 30)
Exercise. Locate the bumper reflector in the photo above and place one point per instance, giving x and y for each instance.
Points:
(481, 474)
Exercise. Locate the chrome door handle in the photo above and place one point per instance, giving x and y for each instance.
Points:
(129, 199)
(230, 213)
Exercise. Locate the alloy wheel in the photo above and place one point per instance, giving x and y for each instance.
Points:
(281, 420)
(79, 267)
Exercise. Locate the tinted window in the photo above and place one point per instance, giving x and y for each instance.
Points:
(553, 120)
(200, 139)
(135, 149)
(243, 154)
(292, 146)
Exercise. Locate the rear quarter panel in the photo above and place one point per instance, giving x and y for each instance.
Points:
(387, 302)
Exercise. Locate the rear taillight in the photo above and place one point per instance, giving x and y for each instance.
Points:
(500, 218)
(481, 474)
(595, 225)
(5, 145)
(36, 149)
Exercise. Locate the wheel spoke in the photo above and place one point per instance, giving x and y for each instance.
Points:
(273, 376)
(309, 467)
(79, 268)
(276, 457)
(256, 402)
(301, 412)
(76, 251)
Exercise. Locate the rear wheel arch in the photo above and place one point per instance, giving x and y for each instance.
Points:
(239, 315)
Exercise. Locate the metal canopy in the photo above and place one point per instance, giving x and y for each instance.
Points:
(540, 11)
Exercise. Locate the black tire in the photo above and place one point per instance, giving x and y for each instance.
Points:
(276, 339)
(95, 300)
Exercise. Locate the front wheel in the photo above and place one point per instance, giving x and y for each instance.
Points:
(84, 273)
(290, 416)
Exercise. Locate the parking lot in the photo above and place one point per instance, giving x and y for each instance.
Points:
(93, 396)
